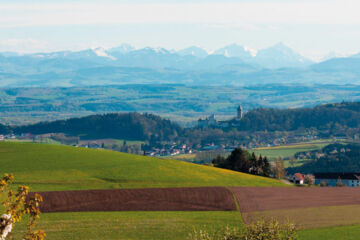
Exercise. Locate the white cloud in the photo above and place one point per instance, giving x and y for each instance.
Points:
(250, 13)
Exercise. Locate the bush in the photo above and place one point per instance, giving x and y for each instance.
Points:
(16, 205)
(261, 230)
(270, 230)
(309, 179)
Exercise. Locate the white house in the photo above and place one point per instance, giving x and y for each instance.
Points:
(297, 178)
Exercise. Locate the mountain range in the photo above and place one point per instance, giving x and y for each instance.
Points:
(233, 64)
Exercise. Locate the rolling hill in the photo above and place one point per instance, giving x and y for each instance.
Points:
(49, 167)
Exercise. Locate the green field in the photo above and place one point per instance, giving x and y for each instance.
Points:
(158, 225)
(288, 151)
(53, 167)
(351, 232)
(132, 225)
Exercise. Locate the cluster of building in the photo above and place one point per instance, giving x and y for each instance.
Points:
(331, 179)
(170, 150)
(24, 136)
(212, 122)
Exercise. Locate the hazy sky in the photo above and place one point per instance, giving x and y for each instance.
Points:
(312, 27)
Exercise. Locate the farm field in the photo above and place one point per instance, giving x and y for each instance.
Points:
(284, 151)
(145, 199)
(53, 167)
(351, 232)
(319, 207)
(287, 151)
(132, 225)
(312, 217)
(159, 225)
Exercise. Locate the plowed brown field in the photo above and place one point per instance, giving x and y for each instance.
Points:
(252, 199)
(154, 199)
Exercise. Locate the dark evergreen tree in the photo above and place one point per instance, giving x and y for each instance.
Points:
(266, 168)
(254, 164)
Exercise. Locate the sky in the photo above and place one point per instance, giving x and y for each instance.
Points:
(314, 28)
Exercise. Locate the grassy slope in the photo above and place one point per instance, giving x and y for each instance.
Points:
(51, 167)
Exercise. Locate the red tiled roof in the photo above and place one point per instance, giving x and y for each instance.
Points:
(299, 176)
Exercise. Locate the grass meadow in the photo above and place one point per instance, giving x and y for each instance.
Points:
(53, 167)
(132, 225)
(158, 225)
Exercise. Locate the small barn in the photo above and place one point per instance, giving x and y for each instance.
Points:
(297, 178)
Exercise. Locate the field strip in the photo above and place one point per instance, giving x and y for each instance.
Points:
(306, 218)
(254, 199)
(149, 199)
(235, 199)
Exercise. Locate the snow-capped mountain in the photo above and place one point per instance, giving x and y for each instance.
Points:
(101, 52)
(233, 64)
(193, 51)
(237, 51)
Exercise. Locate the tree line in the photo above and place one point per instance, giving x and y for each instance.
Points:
(242, 161)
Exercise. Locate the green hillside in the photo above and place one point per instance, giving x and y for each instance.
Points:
(54, 167)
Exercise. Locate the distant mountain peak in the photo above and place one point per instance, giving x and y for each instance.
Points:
(235, 50)
(101, 52)
(193, 51)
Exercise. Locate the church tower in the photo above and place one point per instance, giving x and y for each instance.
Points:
(239, 113)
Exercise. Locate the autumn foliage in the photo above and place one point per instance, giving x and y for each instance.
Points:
(17, 204)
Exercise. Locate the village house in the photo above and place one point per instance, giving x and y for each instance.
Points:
(297, 178)
(332, 179)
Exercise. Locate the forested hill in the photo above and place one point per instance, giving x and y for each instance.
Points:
(131, 126)
(321, 117)
(329, 119)
(332, 158)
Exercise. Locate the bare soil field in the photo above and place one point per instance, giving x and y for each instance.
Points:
(153, 199)
(251, 199)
